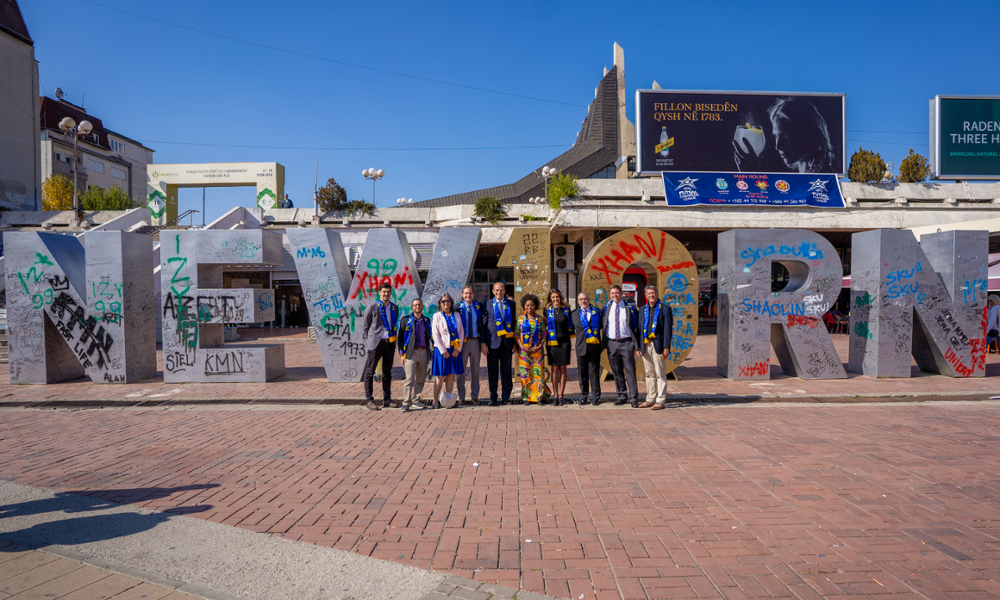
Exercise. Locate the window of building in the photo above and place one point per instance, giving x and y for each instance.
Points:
(607, 172)
(118, 173)
(117, 146)
(96, 167)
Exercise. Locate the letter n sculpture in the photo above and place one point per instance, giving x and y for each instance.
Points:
(943, 280)
(80, 308)
(752, 318)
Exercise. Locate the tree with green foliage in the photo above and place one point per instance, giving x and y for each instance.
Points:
(57, 193)
(97, 199)
(866, 167)
(561, 186)
(914, 168)
(490, 209)
(332, 197)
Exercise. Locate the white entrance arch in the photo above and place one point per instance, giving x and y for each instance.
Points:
(163, 181)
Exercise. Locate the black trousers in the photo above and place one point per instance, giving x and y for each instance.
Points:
(589, 366)
(621, 355)
(498, 368)
(385, 351)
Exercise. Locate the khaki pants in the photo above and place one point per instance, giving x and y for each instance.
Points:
(470, 359)
(415, 367)
(656, 374)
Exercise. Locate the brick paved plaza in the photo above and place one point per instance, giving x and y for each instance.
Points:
(709, 499)
(762, 500)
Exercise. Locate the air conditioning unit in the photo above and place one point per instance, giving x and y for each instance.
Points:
(563, 258)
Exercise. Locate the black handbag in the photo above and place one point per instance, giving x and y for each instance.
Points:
(993, 333)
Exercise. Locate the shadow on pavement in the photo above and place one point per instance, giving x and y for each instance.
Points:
(91, 528)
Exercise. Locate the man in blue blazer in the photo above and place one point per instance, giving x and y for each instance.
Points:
(497, 341)
(621, 339)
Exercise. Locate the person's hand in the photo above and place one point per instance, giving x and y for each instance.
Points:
(666, 353)
(638, 353)
(746, 160)
(484, 348)
(456, 353)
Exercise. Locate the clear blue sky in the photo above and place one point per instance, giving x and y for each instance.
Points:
(159, 83)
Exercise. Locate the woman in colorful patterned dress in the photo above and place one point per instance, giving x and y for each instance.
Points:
(448, 333)
(531, 340)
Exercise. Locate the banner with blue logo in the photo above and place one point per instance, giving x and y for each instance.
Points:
(770, 189)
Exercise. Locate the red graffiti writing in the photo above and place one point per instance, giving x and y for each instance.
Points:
(625, 254)
(368, 285)
(795, 320)
(958, 364)
(674, 267)
(759, 368)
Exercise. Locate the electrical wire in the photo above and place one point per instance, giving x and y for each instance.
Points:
(333, 60)
(356, 148)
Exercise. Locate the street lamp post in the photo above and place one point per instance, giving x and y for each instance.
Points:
(374, 175)
(547, 173)
(70, 127)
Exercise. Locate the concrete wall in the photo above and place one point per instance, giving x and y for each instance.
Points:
(20, 148)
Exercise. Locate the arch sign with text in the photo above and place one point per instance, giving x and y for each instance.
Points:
(163, 181)
(86, 308)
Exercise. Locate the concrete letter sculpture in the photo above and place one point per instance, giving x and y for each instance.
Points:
(73, 311)
(752, 318)
(669, 266)
(943, 280)
(195, 308)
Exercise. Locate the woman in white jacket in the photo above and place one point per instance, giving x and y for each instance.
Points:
(448, 334)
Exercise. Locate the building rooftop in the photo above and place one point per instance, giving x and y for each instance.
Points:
(12, 22)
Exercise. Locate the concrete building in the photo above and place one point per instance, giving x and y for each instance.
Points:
(20, 155)
(106, 158)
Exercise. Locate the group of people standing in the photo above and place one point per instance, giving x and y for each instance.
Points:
(452, 341)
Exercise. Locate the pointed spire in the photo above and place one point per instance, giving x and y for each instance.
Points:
(656, 86)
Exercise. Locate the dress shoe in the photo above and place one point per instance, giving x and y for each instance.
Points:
(491, 403)
(660, 406)
(387, 404)
(620, 402)
(634, 404)
(647, 404)
(595, 402)
(373, 406)
(559, 402)
(405, 407)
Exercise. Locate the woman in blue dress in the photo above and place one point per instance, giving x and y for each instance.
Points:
(448, 334)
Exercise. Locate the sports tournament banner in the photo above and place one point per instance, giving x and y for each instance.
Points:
(768, 189)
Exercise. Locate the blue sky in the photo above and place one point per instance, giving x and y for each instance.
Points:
(159, 83)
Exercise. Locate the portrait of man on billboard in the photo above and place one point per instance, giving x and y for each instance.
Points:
(800, 141)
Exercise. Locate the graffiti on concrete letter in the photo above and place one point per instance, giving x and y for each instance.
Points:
(68, 305)
(195, 309)
(752, 318)
(668, 265)
(942, 280)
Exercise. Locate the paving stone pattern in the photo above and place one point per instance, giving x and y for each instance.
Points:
(305, 382)
(27, 574)
(734, 501)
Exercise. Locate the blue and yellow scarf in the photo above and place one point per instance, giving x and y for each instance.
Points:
(390, 322)
(591, 325)
(408, 331)
(503, 319)
(551, 323)
(649, 333)
(531, 332)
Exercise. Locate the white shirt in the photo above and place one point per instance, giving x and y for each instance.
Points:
(993, 318)
(622, 320)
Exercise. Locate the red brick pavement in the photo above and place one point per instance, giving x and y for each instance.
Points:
(306, 380)
(737, 501)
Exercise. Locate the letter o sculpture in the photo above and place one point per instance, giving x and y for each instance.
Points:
(676, 282)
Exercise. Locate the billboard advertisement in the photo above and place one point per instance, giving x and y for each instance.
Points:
(759, 189)
(752, 132)
(965, 137)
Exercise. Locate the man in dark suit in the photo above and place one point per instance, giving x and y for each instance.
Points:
(587, 323)
(621, 340)
(497, 342)
(656, 325)
(379, 328)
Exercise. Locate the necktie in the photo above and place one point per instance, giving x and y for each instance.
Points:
(618, 323)
(468, 321)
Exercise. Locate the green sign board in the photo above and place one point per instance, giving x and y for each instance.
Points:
(965, 137)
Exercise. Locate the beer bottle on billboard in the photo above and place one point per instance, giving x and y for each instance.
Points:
(663, 142)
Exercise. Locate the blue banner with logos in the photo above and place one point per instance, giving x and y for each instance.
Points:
(768, 189)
